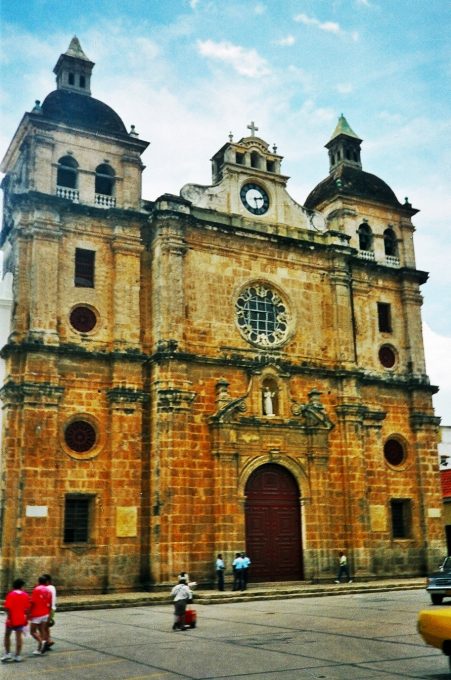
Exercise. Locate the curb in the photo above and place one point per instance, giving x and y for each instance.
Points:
(85, 602)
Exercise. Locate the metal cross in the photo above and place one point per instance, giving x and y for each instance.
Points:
(252, 128)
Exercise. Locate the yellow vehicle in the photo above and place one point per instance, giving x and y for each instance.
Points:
(434, 627)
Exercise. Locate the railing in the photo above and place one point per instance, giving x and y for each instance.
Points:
(65, 192)
(105, 201)
(366, 255)
(392, 260)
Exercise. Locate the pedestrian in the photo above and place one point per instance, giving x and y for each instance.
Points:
(51, 620)
(237, 566)
(246, 565)
(41, 606)
(343, 568)
(17, 606)
(220, 567)
(182, 594)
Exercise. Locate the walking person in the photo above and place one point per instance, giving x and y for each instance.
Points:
(182, 594)
(343, 568)
(220, 567)
(51, 620)
(246, 565)
(41, 605)
(17, 606)
(237, 566)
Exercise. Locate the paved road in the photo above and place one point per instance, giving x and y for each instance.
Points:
(352, 637)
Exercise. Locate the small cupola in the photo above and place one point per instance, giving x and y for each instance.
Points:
(73, 69)
(344, 146)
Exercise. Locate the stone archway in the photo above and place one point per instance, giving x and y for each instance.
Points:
(273, 525)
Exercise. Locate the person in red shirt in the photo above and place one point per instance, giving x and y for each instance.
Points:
(41, 605)
(16, 605)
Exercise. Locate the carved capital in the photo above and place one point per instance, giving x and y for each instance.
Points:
(126, 395)
(420, 421)
(42, 394)
(172, 399)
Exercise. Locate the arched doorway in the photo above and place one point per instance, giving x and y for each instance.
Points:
(273, 525)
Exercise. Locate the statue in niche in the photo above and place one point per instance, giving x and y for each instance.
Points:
(268, 403)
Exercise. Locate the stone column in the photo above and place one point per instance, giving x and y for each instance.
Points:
(342, 305)
(425, 430)
(168, 296)
(127, 526)
(127, 251)
(173, 485)
(351, 521)
(30, 519)
(45, 237)
(411, 306)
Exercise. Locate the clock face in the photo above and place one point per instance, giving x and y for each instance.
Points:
(254, 198)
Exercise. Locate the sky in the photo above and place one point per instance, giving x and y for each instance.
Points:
(188, 72)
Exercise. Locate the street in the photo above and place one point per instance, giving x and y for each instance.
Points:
(355, 636)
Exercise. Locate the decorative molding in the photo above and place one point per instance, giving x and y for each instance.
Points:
(43, 394)
(126, 395)
(420, 421)
(172, 399)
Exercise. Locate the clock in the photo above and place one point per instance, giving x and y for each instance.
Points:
(254, 198)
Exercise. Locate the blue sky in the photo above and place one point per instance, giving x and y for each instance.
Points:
(186, 72)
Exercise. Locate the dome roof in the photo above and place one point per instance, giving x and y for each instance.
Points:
(82, 111)
(350, 181)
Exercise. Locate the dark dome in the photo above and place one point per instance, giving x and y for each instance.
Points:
(82, 111)
(351, 181)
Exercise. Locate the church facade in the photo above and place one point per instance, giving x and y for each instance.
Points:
(217, 371)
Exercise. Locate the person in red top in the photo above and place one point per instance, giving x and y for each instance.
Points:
(41, 605)
(16, 605)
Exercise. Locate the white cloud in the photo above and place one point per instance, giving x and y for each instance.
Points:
(285, 42)
(344, 88)
(245, 62)
(259, 9)
(193, 3)
(328, 26)
(438, 365)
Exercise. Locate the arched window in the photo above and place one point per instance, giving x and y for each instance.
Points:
(67, 172)
(365, 237)
(390, 244)
(255, 159)
(104, 180)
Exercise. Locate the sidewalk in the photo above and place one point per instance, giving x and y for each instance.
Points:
(255, 591)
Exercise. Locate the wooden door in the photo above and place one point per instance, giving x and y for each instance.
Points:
(273, 525)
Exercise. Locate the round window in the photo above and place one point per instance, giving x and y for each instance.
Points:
(83, 319)
(262, 316)
(394, 452)
(387, 356)
(80, 436)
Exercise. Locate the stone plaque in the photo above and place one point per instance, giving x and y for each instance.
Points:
(434, 512)
(36, 511)
(126, 521)
(378, 518)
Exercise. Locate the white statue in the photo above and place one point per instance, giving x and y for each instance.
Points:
(268, 406)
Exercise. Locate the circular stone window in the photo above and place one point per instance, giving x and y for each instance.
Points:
(262, 316)
(83, 319)
(394, 452)
(387, 356)
(80, 436)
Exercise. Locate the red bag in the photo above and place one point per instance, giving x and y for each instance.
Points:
(190, 617)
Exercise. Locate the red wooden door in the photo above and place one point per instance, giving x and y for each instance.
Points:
(273, 525)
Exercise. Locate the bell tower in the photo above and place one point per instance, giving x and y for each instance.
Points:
(344, 146)
(73, 69)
